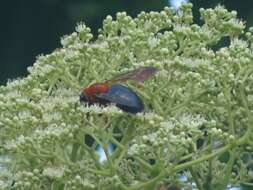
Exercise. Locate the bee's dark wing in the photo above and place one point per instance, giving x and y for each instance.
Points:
(139, 75)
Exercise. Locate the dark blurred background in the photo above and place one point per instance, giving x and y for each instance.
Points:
(30, 28)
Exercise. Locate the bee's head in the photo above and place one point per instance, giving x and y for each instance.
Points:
(83, 97)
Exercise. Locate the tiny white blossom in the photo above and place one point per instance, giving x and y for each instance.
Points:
(153, 42)
(167, 124)
(239, 42)
(81, 27)
(193, 121)
(53, 172)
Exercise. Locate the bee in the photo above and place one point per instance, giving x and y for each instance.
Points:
(113, 92)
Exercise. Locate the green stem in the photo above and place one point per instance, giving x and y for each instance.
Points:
(228, 170)
(229, 108)
(143, 163)
(247, 184)
(209, 177)
(188, 156)
(92, 154)
(117, 143)
(157, 107)
(126, 138)
(79, 72)
(248, 133)
(75, 148)
(166, 83)
(188, 100)
(109, 159)
(201, 159)
(196, 178)
(194, 172)
(100, 172)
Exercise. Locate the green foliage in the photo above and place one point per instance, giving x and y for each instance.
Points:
(197, 121)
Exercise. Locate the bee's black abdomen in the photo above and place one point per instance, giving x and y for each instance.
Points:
(129, 109)
(124, 98)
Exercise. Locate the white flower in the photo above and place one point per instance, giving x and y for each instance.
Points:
(49, 117)
(53, 172)
(148, 116)
(153, 42)
(168, 124)
(95, 108)
(192, 121)
(148, 24)
(67, 40)
(239, 42)
(81, 27)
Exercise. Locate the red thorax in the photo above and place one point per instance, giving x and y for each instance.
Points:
(96, 89)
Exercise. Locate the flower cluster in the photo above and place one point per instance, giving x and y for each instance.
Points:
(198, 107)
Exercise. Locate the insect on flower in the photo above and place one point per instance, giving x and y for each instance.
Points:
(112, 92)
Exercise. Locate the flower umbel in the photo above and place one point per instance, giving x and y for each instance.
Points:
(198, 108)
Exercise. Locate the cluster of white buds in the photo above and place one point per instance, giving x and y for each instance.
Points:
(197, 107)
